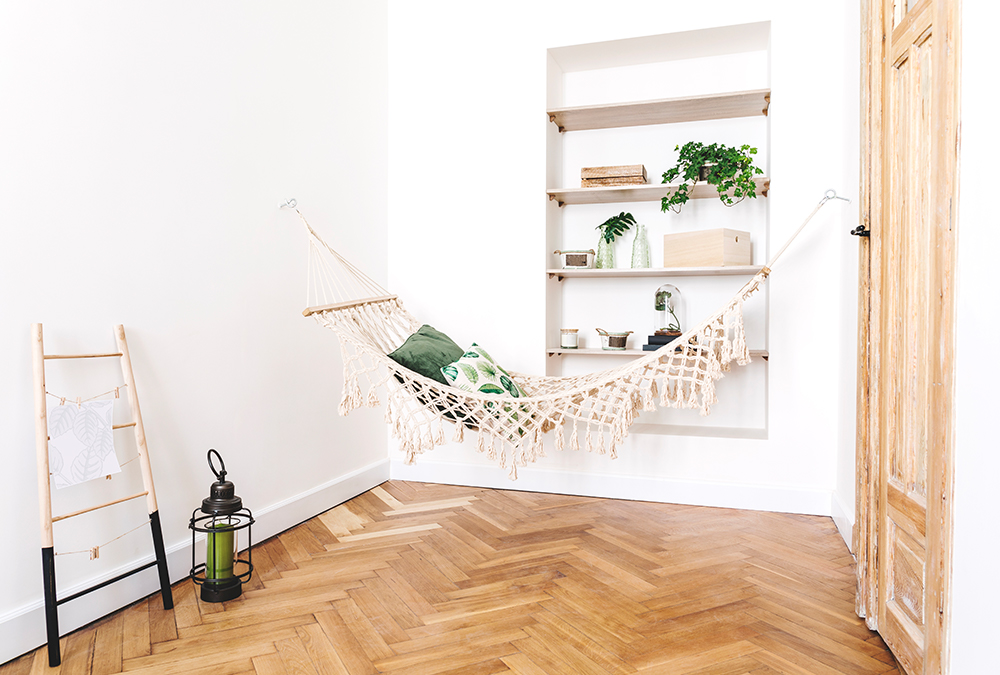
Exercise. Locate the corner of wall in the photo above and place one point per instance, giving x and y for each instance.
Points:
(843, 518)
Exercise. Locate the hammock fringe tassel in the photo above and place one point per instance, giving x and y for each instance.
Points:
(510, 431)
(370, 323)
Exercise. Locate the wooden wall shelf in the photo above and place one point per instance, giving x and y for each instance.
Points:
(639, 193)
(748, 270)
(662, 111)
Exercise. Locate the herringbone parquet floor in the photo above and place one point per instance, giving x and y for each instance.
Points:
(422, 579)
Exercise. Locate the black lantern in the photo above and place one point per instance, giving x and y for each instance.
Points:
(221, 517)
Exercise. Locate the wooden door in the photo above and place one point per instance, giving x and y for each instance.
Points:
(905, 442)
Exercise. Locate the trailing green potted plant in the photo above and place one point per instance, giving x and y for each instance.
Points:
(729, 169)
(611, 228)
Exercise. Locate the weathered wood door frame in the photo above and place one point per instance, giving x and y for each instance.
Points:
(875, 24)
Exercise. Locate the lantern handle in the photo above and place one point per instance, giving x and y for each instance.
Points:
(219, 473)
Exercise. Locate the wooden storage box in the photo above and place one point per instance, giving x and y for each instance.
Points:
(708, 248)
(630, 174)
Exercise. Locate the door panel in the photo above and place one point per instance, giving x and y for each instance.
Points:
(905, 334)
(904, 454)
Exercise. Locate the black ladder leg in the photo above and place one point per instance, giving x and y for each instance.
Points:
(51, 604)
(161, 560)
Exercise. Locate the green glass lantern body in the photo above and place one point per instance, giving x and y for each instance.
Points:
(220, 553)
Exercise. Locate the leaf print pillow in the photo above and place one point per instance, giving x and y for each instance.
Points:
(477, 371)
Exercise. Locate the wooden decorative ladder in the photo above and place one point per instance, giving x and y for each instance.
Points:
(52, 602)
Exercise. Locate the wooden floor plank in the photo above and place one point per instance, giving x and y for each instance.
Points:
(211, 635)
(162, 624)
(79, 652)
(477, 647)
(363, 629)
(269, 664)
(237, 666)
(399, 611)
(300, 543)
(18, 666)
(135, 631)
(522, 664)
(322, 654)
(341, 521)
(698, 662)
(108, 646)
(495, 623)
(294, 657)
(380, 617)
(422, 579)
(599, 652)
(183, 660)
(350, 651)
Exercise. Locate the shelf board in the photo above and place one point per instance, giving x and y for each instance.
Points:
(754, 353)
(662, 111)
(747, 270)
(652, 192)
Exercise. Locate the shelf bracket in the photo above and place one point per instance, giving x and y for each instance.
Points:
(767, 104)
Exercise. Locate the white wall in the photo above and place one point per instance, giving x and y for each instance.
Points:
(467, 201)
(975, 595)
(145, 149)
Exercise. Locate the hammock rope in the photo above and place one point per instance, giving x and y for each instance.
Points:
(581, 409)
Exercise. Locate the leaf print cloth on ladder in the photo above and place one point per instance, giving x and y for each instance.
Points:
(81, 442)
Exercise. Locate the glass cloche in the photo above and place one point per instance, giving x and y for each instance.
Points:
(669, 307)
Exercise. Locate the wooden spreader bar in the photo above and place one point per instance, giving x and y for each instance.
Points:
(56, 519)
(308, 311)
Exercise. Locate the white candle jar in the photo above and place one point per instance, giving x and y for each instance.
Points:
(569, 338)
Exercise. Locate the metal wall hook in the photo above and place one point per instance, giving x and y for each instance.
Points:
(832, 194)
(289, 204)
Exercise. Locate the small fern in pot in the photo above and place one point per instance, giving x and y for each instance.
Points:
(727, 168)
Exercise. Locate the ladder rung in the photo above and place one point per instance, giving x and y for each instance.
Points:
(80, 356)
(56, 519)
(123, 426)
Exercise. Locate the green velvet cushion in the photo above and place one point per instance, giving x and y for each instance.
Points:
(426, 351)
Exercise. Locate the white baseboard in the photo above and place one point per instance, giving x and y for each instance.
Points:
(23, 629)
(843, 517)
(695, 493)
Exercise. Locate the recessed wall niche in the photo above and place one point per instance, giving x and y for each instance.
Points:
(704, 67)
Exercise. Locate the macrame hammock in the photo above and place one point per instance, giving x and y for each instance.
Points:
(582, 410)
